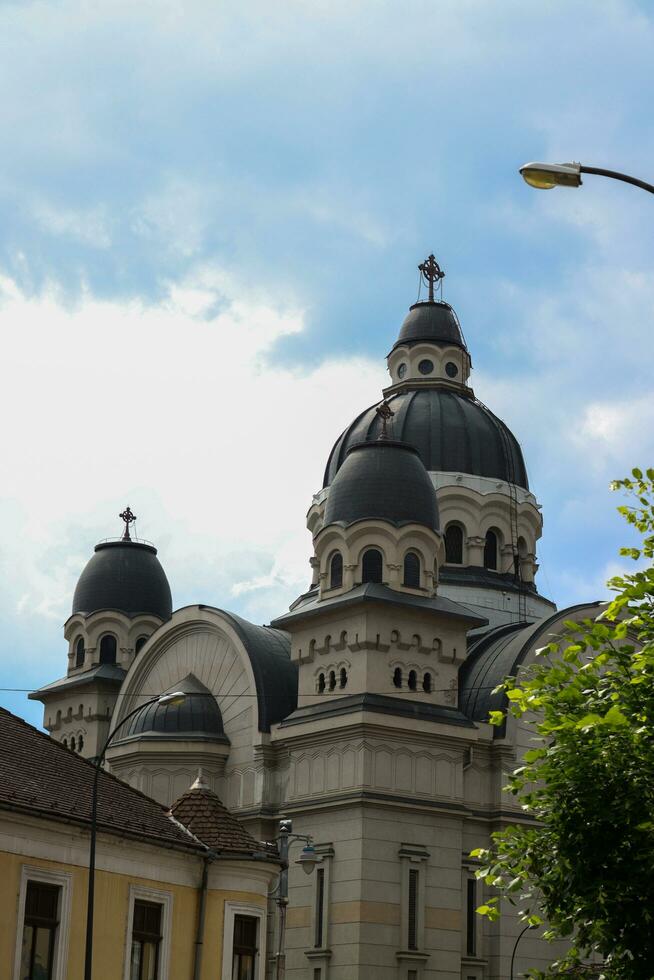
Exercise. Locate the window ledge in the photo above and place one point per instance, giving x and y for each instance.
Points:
(413, 955)
(318, 954)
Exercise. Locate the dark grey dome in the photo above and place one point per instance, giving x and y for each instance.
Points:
(452, 432)
(199, 715)
(382, 480)
(433, 322)
(124, 575)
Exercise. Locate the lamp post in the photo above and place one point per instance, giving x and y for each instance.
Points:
(544, 176)
(308, 860)
(515, 946)
(175, 698)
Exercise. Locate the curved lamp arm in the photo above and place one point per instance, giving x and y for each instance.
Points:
(544, 176)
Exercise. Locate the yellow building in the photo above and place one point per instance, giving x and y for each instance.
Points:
(179, 894)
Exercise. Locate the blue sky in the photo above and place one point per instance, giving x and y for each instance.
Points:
(210, 221)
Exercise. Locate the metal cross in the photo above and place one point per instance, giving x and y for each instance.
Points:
(431, 273)
(386, 413)
(129, 518)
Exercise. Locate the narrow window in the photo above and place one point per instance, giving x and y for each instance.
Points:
(146, 940)
(471, 918)
(426, 683)
(321, 683)
(320, 908)
(72, 743)
(79, 652)
(245, 947)
(490, 551)
(371, 566)
(342, 678)
(80, 743)
(332, 680)
(454, 545)
(140, 643)
(336, 571)
(412, 917)
(39, 930)
(397, 677)
(108, 649)
(413, 680)
(411, 570)
(64, 742)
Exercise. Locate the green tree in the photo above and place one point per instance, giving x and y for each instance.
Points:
(585, 866)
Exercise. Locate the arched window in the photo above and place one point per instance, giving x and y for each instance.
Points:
(79, 651)
(332, 680)
(371, 566)
(413, 680)
(342, 678)
(336, 571)
(80, 743)
(140, 643)
(108, 649)
(72, 743)
(426, 683)
(454, 544)
(397, 677)
(411, 570)
(64, 742)
(321, 683)
(490, 550)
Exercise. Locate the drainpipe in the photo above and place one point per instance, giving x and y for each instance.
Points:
(202, 908)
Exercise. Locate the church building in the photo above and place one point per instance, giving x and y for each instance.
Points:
(361, 712)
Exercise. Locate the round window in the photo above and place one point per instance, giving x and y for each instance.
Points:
(401, 371)
(426, 367)
(451, 370)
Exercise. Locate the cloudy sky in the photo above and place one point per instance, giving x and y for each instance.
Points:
(210, 220)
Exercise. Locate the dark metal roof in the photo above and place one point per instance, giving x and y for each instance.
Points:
(124, 575)
(383, 480)
(39, 776)
(379, 704)
(197, 716)
(436, 323)
(310, 604)
(452, 432)
(109, 675)
(498, 654)
(275, 675)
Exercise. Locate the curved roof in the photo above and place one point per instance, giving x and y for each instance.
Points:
(382, 480)
(450, 430)
(275, 675)
(498, 654)
(436, 323)
(124, 575)
(198, 715)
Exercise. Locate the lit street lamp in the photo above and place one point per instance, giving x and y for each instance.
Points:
(308, 859)
(544, 176)
(175, 698)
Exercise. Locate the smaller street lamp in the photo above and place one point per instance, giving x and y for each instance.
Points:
(544, 176)
(176, 697)
(308, 859)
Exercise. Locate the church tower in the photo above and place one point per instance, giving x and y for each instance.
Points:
(121, 598)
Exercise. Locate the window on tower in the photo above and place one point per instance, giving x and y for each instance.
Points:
(454, 544)
(371, 566)
(108, 649)
(336, 571)
(411, 570)
(490, 550)
(79, 651)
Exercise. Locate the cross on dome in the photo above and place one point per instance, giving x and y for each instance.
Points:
(128, 517)
(386, 413)
(431, 272)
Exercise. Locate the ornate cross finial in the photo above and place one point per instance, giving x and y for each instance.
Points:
(431, 273)
(129, 518)
(386, 413)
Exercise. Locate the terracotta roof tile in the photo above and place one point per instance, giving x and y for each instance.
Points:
(206, 817)
(39, 775)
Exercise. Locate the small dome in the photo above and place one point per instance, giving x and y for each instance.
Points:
(124, 575)
(382, 480)
(452, 432)
(435, 323)
(198, 715)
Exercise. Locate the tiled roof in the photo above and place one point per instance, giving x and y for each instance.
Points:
(202, 812)
(40, 776)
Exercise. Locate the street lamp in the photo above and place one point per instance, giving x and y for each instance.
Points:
(175, 698)
(544, 176)
(308, 859)
(527, 927)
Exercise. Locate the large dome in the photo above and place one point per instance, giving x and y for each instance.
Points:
(435, 323)
(382, 480)
(124, 575)
(451, 431)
